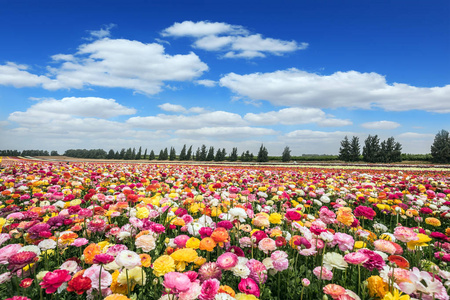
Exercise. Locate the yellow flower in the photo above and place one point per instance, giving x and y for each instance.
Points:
(193, 243)
(421, 242)
(184, 256)
(142, 213)
(396, 296)
(433, 222)
(360, 244)
(241, 296)
(162, 265)
(275, 218)
(136, 275)
(377, 287)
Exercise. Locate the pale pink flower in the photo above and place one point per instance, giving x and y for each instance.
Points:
(146, 242)
(7, 251)
(356, 258)
(326, 274)
(266, 245)
(405, 234)
(93, 273)
(177, 282)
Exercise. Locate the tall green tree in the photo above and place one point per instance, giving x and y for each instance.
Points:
(151, 156)
(165, 154)
(286, 155)
(355, 149)
(344, 150)
(189, 153)
(139, 153)
(161, 155)
(183, 153)
(371, 149)
(203, 153)
(145, 153)
(210, 155)
(263, 154)
(173, 154)
(110, 154)
(234, 154)
(440, 149)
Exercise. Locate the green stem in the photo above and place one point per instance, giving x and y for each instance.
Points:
(128, 282)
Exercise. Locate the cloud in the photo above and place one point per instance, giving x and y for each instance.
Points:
(310, 135)
(381, 125)
(202, 28)
(416, 136)
(225, 132)
(113, 63)
(294, 116)
(350, 89)
(104, 32)
(172, 107)
(206, 82)
(18, 76)
(234, 41)
(207, 119)
(88, 107)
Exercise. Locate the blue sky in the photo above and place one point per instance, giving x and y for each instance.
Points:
(156, 74)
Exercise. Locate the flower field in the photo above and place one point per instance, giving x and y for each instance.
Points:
(146, 231)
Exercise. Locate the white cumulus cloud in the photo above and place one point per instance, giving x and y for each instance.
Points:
(232, 40)
(381, 125)
(350, 89)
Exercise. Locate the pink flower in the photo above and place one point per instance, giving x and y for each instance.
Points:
(227, 260)
(18, 298)
(356, 258)
(305, 282)
(334, 290)
(405, 234)
(266, 245)
(209, 270)
(93, 274)
(103, 259)
(53, 280)
(326, 215)
(258, 271)
(364, 211)
(7, 251)
(375, 260)
(279, 260)
(209, 289)
(181, 240)
(249, 286)
(177, 282)
(326, 274)
(80, 242)
(192, 293)
(385, 246)
(344, 241)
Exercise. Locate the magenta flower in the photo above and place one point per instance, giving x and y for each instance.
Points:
(227, 260)
(53, 280)
(249, 286)
(209, 289)
(103, 259)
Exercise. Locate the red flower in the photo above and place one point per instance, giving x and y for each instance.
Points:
(25, 283)
(53, 280)
(400, 261)
(20, 260)
(79, 284)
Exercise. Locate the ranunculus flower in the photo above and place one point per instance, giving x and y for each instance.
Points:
(249, 286)
(227, 260)
(128, 259)
(53, 280)
(176, 282)
(79, 284)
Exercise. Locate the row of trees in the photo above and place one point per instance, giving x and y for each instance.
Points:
(440, 149)
(373, 151)
(202, 153)
(27, 153)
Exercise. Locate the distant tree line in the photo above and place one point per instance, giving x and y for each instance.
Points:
(27, 153)
(373, 151)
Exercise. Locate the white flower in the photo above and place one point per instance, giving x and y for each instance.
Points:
(241, 270)
(325, 199)
(193, 228)
(238, 213)
(31, 248)
(70, 266)
(223, 296)
(128, 259)
(334, 260)
(47, 244)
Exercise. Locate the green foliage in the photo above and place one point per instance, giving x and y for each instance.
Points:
(173, 154)
(440, 149)
(139, 153)
(355, 151)
(183, 153)
(83, 153)
(210, 156)
(344, 150)
(371, 149)
(111, 154)
(233, 155)
(189, 153)
(151, 156)
(286, 155)
(263, 154)
(246, 156)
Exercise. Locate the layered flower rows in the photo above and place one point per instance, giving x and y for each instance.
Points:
(124, 231)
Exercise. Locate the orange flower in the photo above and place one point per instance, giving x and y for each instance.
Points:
(146, 260)
(220, 236)
(345, 216)
(90, 252)
(117, 297)
(227, 290)
(377, 287)
(293, 240)
(400, 261)
(67, 238)
(334, 290)
(447, 231)
(142, 233)
(207, 244)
